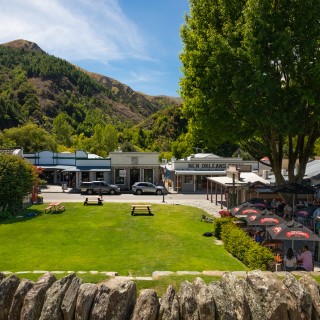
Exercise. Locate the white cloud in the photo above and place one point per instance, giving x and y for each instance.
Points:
(73, 29)
(143, 76)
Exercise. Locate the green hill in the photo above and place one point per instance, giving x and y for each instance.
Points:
(36, 87)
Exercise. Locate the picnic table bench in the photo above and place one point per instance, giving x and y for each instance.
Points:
(48, 209)
(98, 201)
(141, 208)
(54, 207)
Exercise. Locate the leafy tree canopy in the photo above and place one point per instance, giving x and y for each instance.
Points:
(17, 178)
(30, 137)
(252, 74)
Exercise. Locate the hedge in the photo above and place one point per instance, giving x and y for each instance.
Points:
(217, 226)
(241, 246)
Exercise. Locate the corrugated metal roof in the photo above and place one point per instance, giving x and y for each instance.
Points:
(313, 168)
(245, 178)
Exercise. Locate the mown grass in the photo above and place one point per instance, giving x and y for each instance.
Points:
(108, 238)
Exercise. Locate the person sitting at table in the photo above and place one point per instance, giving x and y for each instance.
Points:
(259, 237)
(290, 261)
(305, 260)
(287, 212)
(280, 207)
(274, 205)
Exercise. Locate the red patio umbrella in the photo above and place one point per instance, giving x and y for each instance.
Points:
(245, 211)
(235, 209)
(292, 230)
(305, 213)
(265, 218)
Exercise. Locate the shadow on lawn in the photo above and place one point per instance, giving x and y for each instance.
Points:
(26, 215)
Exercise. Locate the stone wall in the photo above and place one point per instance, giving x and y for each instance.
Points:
(257, 295)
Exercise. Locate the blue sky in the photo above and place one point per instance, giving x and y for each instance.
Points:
(136, 42)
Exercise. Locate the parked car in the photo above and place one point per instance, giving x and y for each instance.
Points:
(147, 187)
(97, 187)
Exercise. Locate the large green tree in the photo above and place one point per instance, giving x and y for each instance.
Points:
(62, 130)
(17, 178)
(104, 140)
(30, 137)
(251, 74)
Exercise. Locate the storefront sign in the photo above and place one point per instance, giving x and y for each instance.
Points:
(217, 166)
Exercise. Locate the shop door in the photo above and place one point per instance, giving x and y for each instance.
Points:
(134, 176)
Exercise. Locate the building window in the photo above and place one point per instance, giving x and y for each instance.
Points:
(188, 179)
(120, 174)
(148, 175)
(84, 176)
(99, 176)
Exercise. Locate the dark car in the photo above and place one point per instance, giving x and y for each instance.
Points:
(147, 187)
(97, 187)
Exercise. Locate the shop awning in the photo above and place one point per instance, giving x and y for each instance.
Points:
(199, 173)
(53, 167)
(87, 169)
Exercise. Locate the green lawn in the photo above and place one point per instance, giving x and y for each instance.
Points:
(108, 238)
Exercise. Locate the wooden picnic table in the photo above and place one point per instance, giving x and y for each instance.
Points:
(94, 200)
(54, 207)
(141, 208)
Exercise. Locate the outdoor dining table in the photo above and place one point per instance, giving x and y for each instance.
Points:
(55, 207)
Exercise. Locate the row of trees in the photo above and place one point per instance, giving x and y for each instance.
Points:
(164, 132)
(47, 103)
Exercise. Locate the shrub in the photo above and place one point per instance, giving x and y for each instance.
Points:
(42, 182)
(258, 257)
(217, 226)
(241, 246)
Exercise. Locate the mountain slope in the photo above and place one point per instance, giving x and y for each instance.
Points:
(35, 86)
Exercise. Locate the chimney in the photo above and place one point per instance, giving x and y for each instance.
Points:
(232, 170)
(265, 174)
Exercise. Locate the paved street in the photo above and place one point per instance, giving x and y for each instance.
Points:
(55, 193)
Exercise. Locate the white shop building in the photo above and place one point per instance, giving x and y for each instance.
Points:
(190, 174)
(131, 167)
(71, 168)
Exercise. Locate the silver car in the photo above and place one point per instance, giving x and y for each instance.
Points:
(147, 187)
(97, 187)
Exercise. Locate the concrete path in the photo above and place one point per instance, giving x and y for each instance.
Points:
(172, 198)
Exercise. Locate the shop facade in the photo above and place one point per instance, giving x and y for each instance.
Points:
(71, 168)
(190, 174)
(131, 167)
